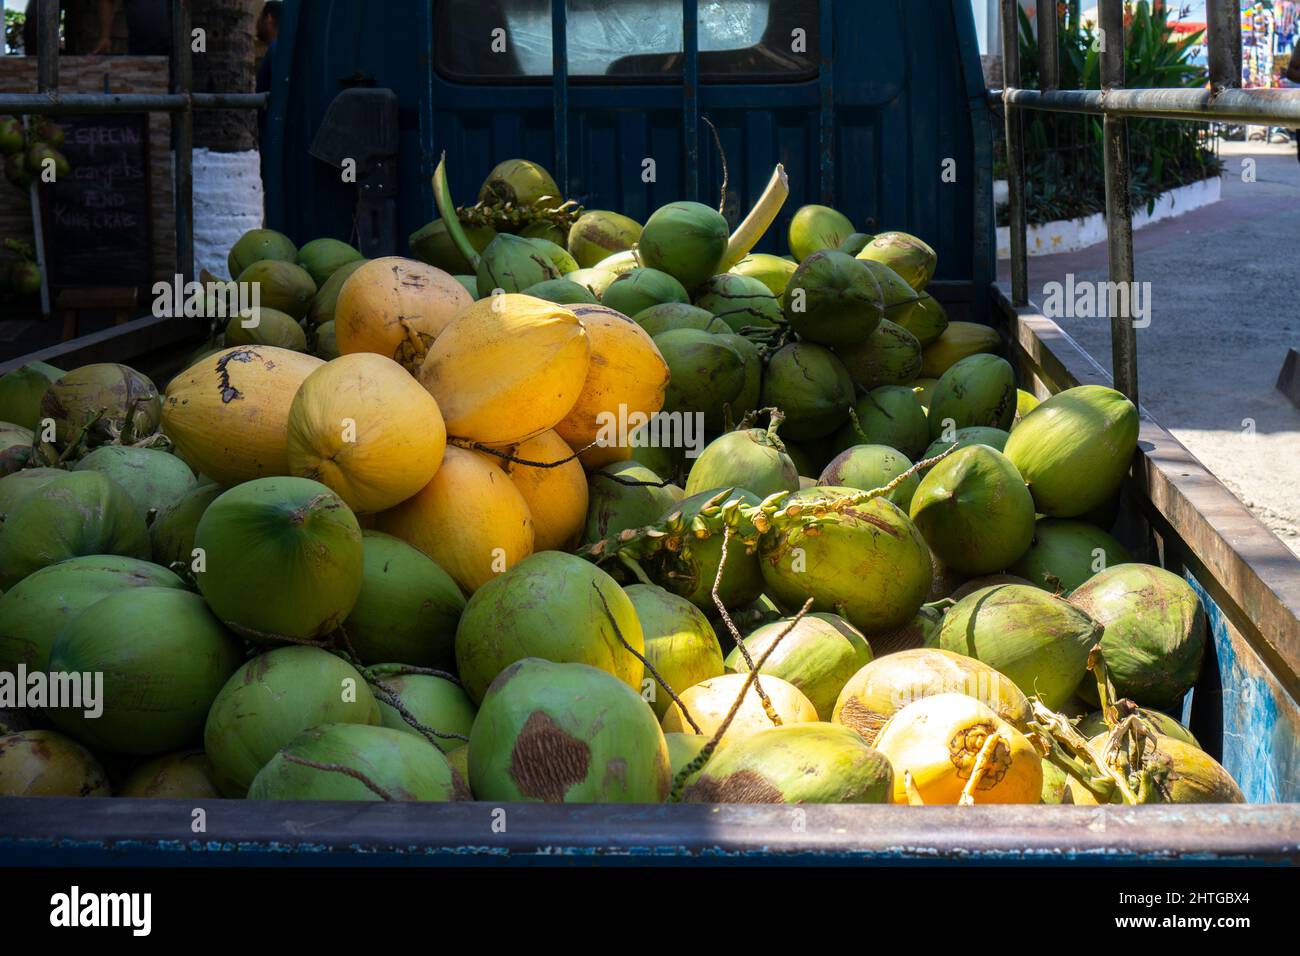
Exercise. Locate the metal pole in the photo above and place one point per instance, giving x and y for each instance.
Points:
(53, 103)
(183, 139)
(1049, 58)
(826, 80)
(691, 91)
(1119, 215)
(560, 84)
(1265, 107)
(1223, 23)
(1015, 155)
(47, 81)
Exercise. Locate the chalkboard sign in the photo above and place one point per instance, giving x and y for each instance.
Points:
(97, 217)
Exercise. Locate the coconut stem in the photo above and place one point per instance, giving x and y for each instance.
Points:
(81, 437)
(618, 632)
(346, 771)
(760, 218)
(638, 572)
(914, 798)
(772, 715)
(982, 761)
(751, 678)
(722, 157)
(408, 670)
(471, 445)
(450, 218)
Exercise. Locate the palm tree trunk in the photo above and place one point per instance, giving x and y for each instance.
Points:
(228, 66)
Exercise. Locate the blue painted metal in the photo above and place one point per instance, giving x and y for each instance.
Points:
(1244, 716)
(907, 93)
(560, 83)
(691, 94)
(826, 80)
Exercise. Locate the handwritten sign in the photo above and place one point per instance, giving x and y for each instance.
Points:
(98, 216)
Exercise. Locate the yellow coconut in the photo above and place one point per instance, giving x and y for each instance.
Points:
(228, 413)
(958, 341)
(627, 376)
(710, 700)
(508, 369)
(396, 307)
(362, 426)
(945, 741)
(470, 519)
(557, 497)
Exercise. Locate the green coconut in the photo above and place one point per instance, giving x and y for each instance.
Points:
(15, 447)
(519, 182)
(258, 244)
(739, 301)
(512, 264)
(899, 297)
(868, 563)
(773, 271)
(663, 456)
(685, 239)
(751, 394)
(680, 643)
(42, 763)
(818, 656)
(1065, 553)
(638, 289)
(327, 296)
(1155, 632)
(549, 605)
(796, 763)
(99, 399)
(855, 242)
(281, 285)
(186, 775)
(888, 684)
(811, 386)
(979, 390)
(975, 511)
(172, 530)
(458, 757)
(890, 415)
(1036, 639)
(1056, 784)
(691, 569)
(1094, 723)
(21, 391)
(1026, 402)
(1179, 772)
(433, 244)
(682, 751)
(706, 375)
(266, 326)
(164, 658)
(753, 459)
(439, 704)
(407, 608)
(327, 343)
(80, 513)
(814, 228)
(995, 438)
(868, 467)
(559, 256)
(921, 631)
(1075, 448)
(927, 319)
(272, 699)
(282, 559)
(531, 743)
(154, 480)
(907, 255)
(678, 315)
(594, 280)
(890, 356)
(623, 495)
(562, 292)
(37, 608)
(554, 235)
(325, 763)
(833, 299)
(323, 257)
(597, 234)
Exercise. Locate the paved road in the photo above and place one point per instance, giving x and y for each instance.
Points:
(1225, 306)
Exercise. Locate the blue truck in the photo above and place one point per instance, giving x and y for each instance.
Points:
(877, 107)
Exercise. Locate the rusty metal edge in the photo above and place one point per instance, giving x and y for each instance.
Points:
(1246, 564)
(42, 831)
(127, 343)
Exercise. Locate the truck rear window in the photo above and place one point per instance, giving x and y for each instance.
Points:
(621, 40)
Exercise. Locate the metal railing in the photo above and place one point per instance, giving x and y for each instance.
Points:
(180, 103)
(1224, 101)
